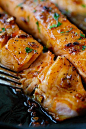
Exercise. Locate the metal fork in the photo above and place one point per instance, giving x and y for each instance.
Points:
(8, 77)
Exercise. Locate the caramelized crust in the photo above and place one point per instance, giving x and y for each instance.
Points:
(20, 52)
(35, 74)
(61, 93)
(48, 24)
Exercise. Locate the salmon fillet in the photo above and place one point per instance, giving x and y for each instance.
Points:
(8, 28)
(17, 49)
(73, 6)
(44, 21)
(35, 74)
(20, 52)
(52, 80)
(61, 93)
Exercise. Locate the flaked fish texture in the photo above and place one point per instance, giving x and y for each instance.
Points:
(61, 93)
(72, 6)
(44, 21)
(35, 74)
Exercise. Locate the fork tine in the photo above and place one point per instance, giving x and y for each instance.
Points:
(10, 79)
(3, 83)
(8, 74)
(2, 66)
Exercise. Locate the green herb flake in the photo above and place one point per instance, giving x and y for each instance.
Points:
(62, 32)
(82, 35)
(56, 16)
(56, 4)
(35, 51)
(45, 49)
(34, 11)
(3, 29)
(28, 18)
(76, 33)
(67, 31)
(28, 50)
(37, 23)
(55, 25)
(19, 5)
(83, 48)
(59, 24)
(71, 29)
(79, 39)
(37, 72)
(83, 5)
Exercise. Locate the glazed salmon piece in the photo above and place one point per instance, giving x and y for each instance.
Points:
(61, 93)
(20, 52)
(73, 6)
(35, 74)
(44, 21)
(8, 28)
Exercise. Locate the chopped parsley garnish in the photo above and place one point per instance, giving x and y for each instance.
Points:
(76, 33)
(37, 72)
(28, 50)
(82, 35)
(56, 16)
(67, 31)
(34, 10)
(56, 5)
(45, 49)
(35, 0)
(28, 18)
(19, 5)
(71, 29)
(79, 38)
(55, 25)
(62, 32)
(83, 48)
(59, 24)
(3, 29)
(83, 5)
(37, 23)
(35, 51)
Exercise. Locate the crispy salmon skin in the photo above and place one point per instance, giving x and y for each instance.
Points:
(43, 20)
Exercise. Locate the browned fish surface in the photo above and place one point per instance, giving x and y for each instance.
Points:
(61, 93)
(35, 74)
(20, 49)
(73, 6)
(45, 21)
(20, 52)
(8, 28)
(58, 86)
